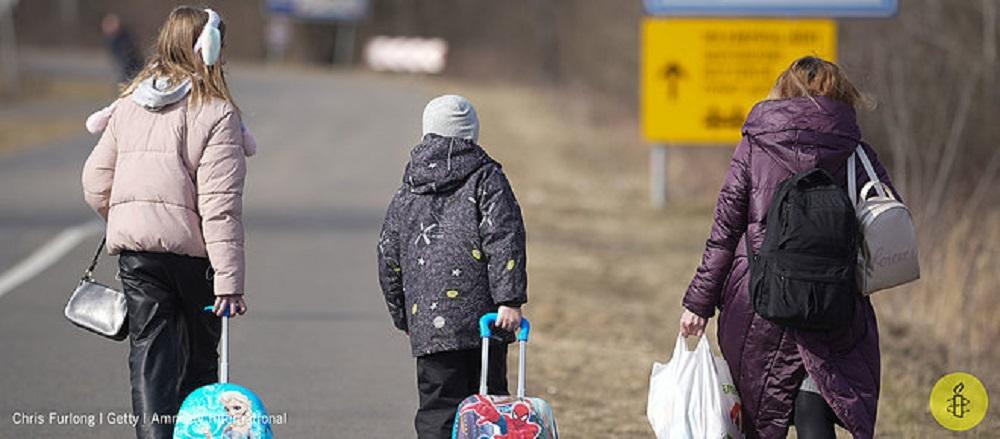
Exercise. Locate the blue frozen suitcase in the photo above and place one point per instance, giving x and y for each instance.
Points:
(222, 410)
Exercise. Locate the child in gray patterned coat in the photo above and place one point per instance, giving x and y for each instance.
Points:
(452, 249)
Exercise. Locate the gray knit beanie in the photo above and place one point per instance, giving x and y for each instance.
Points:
(451, 116)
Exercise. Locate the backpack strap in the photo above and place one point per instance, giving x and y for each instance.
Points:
(852, 177)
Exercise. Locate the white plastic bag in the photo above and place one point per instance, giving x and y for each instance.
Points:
(693, 396)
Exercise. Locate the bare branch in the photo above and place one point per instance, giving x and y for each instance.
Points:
(904, 143)
(944, 42)
(984, 186)
(951, 146)
(989, 32)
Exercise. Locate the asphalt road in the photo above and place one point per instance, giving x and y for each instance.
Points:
(316, 345)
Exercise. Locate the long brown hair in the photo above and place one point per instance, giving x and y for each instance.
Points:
(813, 76)
(176, 60)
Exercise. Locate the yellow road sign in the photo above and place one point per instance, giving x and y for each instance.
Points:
(700, 77)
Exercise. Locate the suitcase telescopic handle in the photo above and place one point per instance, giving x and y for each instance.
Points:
(223, 345)
(488, 320)
(522, 340)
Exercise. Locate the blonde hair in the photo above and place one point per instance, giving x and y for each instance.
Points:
(231, 396)
(176, 60)
(811, 76)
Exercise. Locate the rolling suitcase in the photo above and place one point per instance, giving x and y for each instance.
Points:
(222, 410)
(483, 416)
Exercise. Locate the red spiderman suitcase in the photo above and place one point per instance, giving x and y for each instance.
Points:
(483, 416)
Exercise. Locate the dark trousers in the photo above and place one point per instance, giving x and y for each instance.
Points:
(445, 379)
(172, 341)
(813, 417)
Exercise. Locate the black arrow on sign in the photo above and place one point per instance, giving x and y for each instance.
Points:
(672, 72)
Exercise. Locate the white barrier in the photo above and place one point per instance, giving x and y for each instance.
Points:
(408, 55)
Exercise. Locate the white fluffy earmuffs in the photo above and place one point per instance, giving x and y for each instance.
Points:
(210, 40)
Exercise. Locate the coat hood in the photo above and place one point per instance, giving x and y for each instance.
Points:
(818, 114)
(803, 132)
(439, 164)
(154, 93)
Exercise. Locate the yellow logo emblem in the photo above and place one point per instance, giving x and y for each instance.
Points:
(959, 401)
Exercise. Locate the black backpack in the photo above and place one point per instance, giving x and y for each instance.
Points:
(804, 276)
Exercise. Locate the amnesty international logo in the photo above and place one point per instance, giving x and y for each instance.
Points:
(959, 401)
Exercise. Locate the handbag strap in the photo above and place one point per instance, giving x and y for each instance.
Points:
(852, 185)
(870, 170)
(89, 274)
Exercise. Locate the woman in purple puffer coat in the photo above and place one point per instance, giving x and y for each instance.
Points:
(786, 376)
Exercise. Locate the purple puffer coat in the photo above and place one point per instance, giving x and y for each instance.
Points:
(768, 362)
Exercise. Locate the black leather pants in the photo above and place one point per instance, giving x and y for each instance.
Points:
(172, 341)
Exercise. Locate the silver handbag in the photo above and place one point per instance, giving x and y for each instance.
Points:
(96, 307)
(889, 250)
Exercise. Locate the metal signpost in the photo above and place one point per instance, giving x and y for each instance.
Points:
(700, 76)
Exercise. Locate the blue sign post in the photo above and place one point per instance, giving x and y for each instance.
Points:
(343, 14)
(321, 10)
(772, 8)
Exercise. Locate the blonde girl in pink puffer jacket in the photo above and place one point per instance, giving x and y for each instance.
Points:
(167, 175)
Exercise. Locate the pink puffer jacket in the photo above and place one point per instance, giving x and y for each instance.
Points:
(172, 181)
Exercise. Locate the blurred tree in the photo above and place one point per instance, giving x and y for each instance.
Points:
(8, 47)
(933, 70)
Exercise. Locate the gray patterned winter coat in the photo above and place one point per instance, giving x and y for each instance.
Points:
(452, 247)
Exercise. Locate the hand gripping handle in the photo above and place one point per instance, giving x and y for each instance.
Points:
(488, 319)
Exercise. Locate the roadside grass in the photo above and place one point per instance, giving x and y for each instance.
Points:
(607, 272)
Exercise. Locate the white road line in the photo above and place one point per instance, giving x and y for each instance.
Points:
(48, 254)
